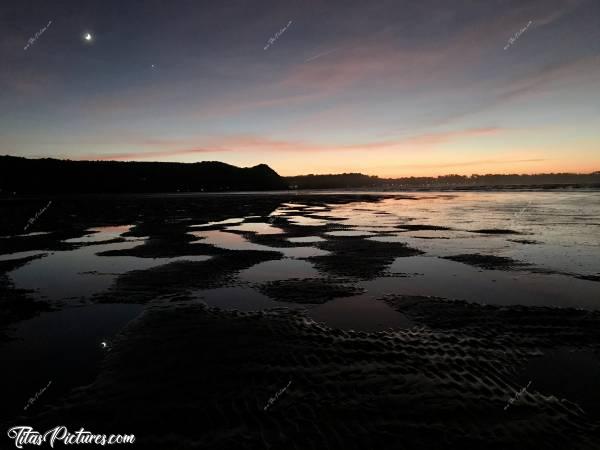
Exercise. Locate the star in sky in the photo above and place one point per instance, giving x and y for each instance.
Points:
(339, 84)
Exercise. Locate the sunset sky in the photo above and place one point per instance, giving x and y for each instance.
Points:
(389, 88)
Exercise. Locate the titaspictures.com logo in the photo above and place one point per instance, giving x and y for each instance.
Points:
(24, 435)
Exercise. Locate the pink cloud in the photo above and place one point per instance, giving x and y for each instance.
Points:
(252, 143)
(380, 58)
(134, 156)
(569, 73)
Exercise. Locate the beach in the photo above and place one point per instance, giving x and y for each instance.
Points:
(395, 319)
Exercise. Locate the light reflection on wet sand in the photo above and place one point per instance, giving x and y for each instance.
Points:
(560, 232)
(565, 227)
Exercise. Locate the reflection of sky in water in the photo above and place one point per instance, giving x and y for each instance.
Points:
(240, 298)
(349, 233)
(302, 252)
(306, 239)
(219, 222)
(581, 258)
(9, 256)
(429, 276)
(35, 233)
(233, 241)
(566, 223)
(62, 347)
(360, 312)
(257, 227)
(454, 280)
(62, 274)
(281, 212)
(377, 228)
(458, 242)
(100, 234)
(279, 270)
(229, 241)
(306, 221)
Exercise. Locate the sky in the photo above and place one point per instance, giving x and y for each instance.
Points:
(389, 88)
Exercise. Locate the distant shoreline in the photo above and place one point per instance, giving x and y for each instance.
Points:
(20, 176)
(324, 191)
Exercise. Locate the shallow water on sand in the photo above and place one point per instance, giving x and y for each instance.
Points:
(78, 274)
(557, 234)
(62, 347)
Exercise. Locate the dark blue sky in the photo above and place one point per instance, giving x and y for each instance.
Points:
(385, 87)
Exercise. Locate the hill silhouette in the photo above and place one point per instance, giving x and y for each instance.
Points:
(358, 180)
(57, 176)
(48, 175)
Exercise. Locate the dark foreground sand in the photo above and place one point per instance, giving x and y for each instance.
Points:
(187, 376)
(192, 377)
(16, 304)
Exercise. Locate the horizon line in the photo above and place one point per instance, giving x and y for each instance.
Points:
(594, 172)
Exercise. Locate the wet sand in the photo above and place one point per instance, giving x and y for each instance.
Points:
(192, 377)
(430, 370)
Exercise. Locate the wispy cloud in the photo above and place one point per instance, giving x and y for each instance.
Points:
(157, 155)
(320, 54)
(565, 72)
(472, 163)
(266, 145)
